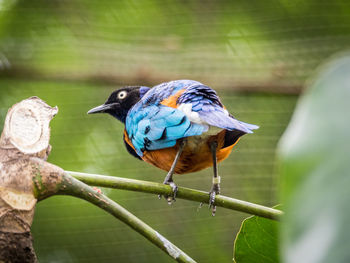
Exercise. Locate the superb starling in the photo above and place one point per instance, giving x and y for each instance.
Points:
(179, 126)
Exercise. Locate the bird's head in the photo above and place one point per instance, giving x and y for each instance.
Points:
(121, 101)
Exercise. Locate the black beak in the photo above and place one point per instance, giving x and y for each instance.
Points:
(101, 109)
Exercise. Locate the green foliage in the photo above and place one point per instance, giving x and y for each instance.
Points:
(257, 241)
(314, 165)
(314, 155)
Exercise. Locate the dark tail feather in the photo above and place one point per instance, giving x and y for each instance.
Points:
(231, 137)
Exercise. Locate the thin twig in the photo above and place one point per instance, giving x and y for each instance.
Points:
(71, 186)
(184, 193)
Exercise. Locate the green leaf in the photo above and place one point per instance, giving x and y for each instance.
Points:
(257, 241)
(315, 168)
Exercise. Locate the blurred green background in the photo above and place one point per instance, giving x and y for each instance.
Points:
(74, 53)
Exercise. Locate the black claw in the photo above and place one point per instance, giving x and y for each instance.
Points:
(215, 190)
(211, 202)
(213, 210)
(174, 188)
(211, 198)
(170, 200)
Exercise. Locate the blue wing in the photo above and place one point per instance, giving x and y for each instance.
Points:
(152, 126)
(156, 127)
(207, 104)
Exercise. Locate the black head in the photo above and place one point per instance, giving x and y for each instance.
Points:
(120, 102)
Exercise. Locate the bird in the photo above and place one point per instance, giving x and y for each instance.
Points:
(179, 126)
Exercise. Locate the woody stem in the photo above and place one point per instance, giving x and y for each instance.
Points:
(183, 193)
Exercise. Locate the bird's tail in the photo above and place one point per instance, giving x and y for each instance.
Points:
(249, 127)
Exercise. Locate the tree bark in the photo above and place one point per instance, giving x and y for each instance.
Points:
(24, 147)
(17, 247)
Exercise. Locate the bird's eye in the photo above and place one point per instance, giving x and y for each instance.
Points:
(121, 95)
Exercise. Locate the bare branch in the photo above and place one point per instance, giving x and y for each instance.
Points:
(74, 187)
(184, 193)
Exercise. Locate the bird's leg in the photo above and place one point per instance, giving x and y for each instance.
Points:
(169, 177)
(215, 189)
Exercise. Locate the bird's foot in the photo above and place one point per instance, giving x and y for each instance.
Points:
(170, 198)
(215, 190)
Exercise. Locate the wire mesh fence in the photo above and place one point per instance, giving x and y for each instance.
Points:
(273, 45)
(74, 53)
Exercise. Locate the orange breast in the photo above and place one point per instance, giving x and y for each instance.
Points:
(192, 159)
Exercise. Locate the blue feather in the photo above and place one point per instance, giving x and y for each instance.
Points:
(143, 90)
(220, 119)
(159, 123)
(210, 109)
(197, 106)
(156, 145)
(152, 126)
(174, 119)
(177, 131)
(161, 114)
(160, 130)
(155, 133)
(142, 125)
(196, 129)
